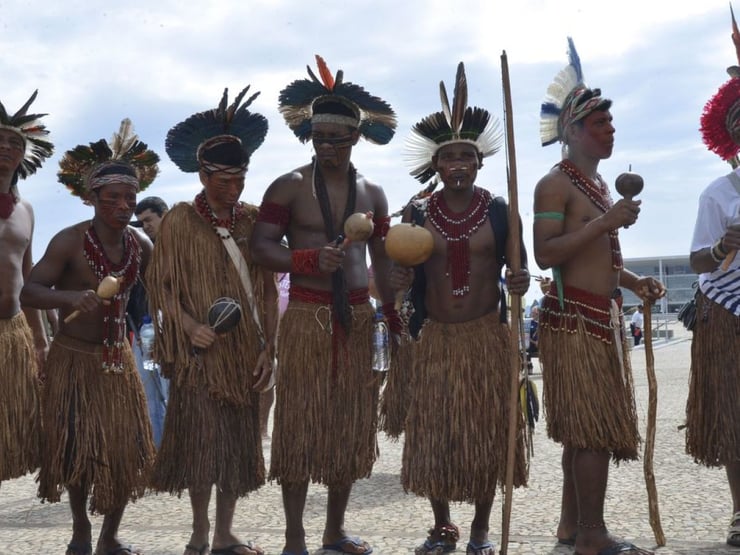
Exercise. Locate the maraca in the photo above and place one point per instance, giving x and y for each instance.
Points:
(629, 185)
(359, 226)
(107, 289)
(408, 244)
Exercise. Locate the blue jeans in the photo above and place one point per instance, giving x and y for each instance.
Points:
(156, 389)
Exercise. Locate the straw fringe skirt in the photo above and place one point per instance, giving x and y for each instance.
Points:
(207, 442)
(456, 429)
(96, 430)
(395, 398)
(713, 406)
(20, 417)
(587, 392)
(325, 421)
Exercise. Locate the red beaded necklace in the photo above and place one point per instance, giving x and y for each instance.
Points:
(114, 314)
(457, 228)
(599, 195)
(204, 209)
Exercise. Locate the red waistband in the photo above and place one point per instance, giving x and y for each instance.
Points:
(317, 296)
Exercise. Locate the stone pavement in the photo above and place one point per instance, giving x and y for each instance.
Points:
(695, 502)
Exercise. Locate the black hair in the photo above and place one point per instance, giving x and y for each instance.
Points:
(116, 168)
(230, 153)
(155, 204)
(331, 106)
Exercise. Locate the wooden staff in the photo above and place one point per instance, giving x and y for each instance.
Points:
(652, 491)
(516, 305)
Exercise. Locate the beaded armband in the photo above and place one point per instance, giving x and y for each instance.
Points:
(382, 225)
(274, 213)
(305, 261)
(392, 318)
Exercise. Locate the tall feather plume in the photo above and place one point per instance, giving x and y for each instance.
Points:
(122, 141)
(325, 74)
(734, 71)
(23, 109)
(459, 99)
(446, 110)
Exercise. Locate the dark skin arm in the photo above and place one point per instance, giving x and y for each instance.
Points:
(265, 362)
(702, 262)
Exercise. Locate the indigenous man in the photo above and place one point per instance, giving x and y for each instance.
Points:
(93, 444)
(326, 398)
(212, 433)
(588, 391)
(23, 148)
(462, 358)
(149, 213)
(712, 416)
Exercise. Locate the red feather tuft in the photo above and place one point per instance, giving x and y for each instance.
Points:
(324, 73)
(713, 125)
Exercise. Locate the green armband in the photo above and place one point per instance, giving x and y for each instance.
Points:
(560, 216)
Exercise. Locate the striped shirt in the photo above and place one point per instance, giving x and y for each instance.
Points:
(719, 208)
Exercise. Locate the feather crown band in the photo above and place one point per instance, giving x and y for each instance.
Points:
(720, 119)
(568, 100)
(34, 135)
(306, 101)
(83, 169)
(188, 142)
(457, 124)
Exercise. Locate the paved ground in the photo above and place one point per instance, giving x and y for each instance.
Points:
(695, 502)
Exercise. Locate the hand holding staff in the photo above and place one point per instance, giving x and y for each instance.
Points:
(107, 289)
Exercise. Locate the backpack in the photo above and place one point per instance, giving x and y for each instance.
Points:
(499, 218)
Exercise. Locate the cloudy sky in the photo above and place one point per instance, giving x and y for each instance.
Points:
(157, 62)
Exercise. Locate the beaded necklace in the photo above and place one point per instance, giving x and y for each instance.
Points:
(114, 314)
(457, 228)
(204, 209)
(599, 195)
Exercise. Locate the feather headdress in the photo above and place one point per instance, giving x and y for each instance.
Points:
(34, 134)
(80, 168)
(305, 101)
(720, 119)
(568, 100)
(187, 141)
(458, 123)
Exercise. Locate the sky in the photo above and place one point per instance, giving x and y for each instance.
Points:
(158, 62)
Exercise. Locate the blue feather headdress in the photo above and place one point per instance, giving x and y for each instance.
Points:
(298, 102)
(457, 124)
(187, 141)
(568, 100)
(33, 133)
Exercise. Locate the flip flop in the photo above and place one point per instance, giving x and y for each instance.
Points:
(338, 546)
(733, 532)
(200, 551)
(485, 548)
(571, 541)
(621, 547)
(232, 549)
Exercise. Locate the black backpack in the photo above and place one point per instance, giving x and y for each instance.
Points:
(499, 217)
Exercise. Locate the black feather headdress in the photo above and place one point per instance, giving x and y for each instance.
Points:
(80, 166)
(454, 124)
(372, 116)
(187, 140)
(34, 134)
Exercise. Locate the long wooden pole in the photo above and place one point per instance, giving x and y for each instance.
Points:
(516, 306)
(652, 491)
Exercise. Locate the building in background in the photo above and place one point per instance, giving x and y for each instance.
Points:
(673, 271)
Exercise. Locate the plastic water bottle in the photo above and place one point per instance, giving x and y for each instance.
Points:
(381, 345)
(146, 334)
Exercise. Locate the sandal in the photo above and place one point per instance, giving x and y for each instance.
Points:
(441, 539)
(733, 532)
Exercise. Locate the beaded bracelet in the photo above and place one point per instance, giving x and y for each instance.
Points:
(716, 252)
(392, 318)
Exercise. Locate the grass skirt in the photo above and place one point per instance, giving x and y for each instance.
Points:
(456, 429)
(96, 431)
(713, 407)
(206, 442)
(395, 398)
(588, 393)
(20, 417)
(325, 420)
